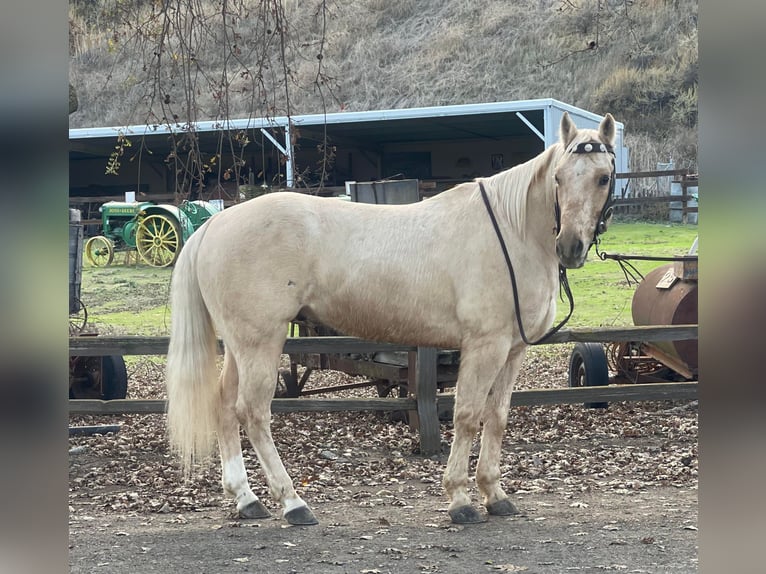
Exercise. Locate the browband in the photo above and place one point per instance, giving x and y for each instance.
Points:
(592, 147)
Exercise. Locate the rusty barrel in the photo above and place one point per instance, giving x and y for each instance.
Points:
(668, 296)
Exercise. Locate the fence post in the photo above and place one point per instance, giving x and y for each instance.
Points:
(425, 393)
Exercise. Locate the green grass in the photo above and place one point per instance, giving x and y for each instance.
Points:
(132, 300)
(127, 300)
(601, 293)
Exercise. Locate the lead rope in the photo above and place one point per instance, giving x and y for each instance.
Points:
(563, 280)
(631, 272)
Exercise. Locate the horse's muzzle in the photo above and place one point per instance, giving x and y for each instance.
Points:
(571, 252)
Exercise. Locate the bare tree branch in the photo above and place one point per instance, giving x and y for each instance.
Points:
(230, 49)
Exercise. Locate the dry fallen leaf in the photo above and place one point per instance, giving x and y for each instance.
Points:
(377, 462)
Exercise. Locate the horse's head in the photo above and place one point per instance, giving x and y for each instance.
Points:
(584, 184)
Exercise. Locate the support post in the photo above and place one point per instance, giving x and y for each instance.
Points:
(286, 150)
(289, 166)
(425, 389)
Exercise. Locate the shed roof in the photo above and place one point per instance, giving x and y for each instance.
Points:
(494, 120)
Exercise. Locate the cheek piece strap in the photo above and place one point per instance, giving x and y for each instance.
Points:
(607, 208)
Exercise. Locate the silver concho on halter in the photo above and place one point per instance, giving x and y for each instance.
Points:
(592, 147)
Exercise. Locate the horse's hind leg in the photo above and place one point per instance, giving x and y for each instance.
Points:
(495, 419)
(257, 381)
(480, 364)
(234, 474)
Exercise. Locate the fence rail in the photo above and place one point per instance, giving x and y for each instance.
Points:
(683, 177)
(522, 398)
(135, 345)
(426, 402)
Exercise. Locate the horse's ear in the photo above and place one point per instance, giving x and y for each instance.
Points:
(607, 130)
(567, 130)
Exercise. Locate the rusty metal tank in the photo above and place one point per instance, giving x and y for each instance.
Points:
(668, 296)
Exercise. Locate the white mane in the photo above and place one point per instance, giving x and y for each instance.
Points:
(511, 189)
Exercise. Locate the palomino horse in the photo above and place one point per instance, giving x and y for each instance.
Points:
(431, 273)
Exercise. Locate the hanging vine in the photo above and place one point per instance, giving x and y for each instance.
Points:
(194, 52)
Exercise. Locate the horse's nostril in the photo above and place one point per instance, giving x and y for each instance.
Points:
(572, 250)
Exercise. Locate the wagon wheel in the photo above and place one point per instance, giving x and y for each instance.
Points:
(99, 250)
(588, 368)
(158, 240)
(103, 378)
(388, 388)
(78, 319)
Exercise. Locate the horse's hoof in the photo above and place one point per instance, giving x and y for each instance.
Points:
(466, 515)
(301, 516)
(502, 508)
(255, 509)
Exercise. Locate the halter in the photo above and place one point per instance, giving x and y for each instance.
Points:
(586, 147)
(606, 210)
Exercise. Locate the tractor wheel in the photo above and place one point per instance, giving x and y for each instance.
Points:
(158, 240)
(115, 378)
(588, 368)
(99, 250)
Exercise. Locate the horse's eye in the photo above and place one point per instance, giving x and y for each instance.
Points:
(603, 180)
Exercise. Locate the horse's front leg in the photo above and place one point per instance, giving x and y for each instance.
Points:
(480, 364)
(495, 419)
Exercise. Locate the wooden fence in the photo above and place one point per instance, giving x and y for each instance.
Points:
(683, 176)
(425, 402)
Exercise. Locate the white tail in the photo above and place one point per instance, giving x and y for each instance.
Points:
(191, 375)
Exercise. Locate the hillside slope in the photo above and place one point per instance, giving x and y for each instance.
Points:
(634, 58)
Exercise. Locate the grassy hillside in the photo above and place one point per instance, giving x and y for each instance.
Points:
(634, 58)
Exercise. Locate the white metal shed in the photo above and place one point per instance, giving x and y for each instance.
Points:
(441, 142)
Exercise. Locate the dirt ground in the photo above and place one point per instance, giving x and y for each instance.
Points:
(630, 507)
(598, 490)
(653, 531)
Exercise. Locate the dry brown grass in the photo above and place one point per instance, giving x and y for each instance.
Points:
(396, 53)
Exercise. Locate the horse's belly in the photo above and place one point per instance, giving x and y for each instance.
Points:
(401, 320)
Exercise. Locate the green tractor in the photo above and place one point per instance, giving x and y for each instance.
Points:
(156, 232)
